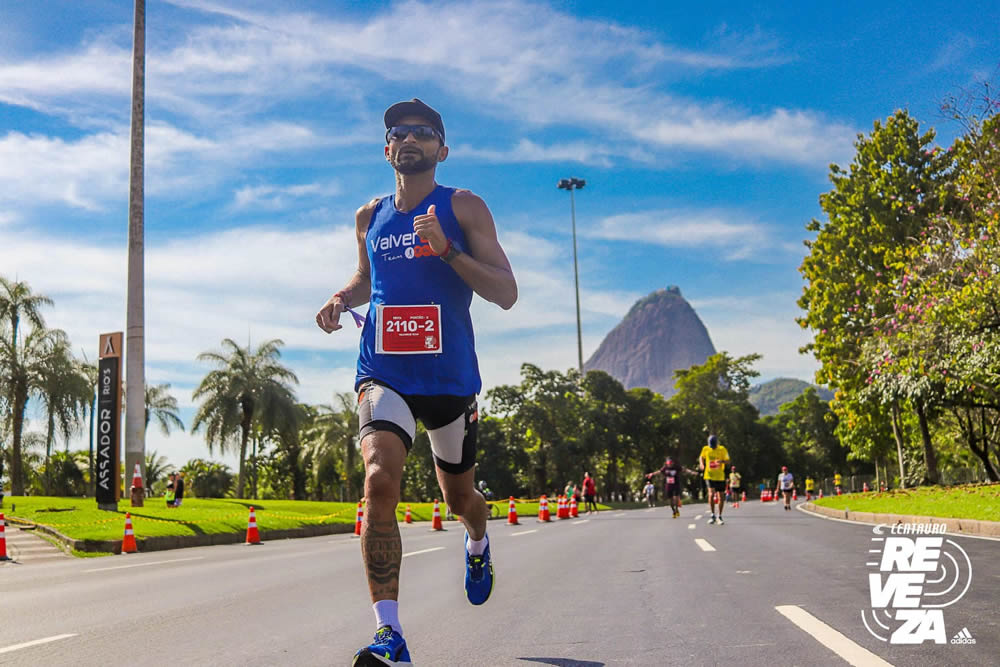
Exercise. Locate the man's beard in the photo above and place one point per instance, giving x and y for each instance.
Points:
(408, 167)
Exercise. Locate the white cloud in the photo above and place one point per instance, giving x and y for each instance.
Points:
(739, 237)
(568, 72)
(277, 197)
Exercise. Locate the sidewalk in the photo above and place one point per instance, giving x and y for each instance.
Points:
(957, 526)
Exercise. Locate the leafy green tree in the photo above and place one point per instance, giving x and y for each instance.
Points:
(162, 406)
(332, 434)
(23, 369)
(807, 428)
(542, 413)
(65, 391)
(157, 469)
(208, 479)
(17, 303)
(250, 387)
(876, 210)
(65, 473)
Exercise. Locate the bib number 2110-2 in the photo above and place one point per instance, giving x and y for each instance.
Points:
(408, 329)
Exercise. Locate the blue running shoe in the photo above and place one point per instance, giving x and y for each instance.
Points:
(388, 648)
(478, 575)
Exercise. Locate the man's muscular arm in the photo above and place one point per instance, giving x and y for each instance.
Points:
(358, 288)
(484, 266)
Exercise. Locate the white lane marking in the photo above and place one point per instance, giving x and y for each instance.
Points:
(705, 546)
(742, 571)
(832, 639)
(152, 562)
(620, 514)
(577, 523)
(651, 509)
(880, 539)
(524, 532)
(423, 551)
(690, 526)
(46, 640)
(698, 518)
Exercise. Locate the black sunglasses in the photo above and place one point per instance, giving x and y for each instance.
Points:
(421, 132)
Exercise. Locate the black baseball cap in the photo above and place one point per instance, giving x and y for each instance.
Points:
(414, 107)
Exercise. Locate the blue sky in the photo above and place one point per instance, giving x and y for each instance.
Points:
(705, 134)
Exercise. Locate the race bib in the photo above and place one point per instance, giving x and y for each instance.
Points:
(713, 464)
(670, 480)
(408, 329)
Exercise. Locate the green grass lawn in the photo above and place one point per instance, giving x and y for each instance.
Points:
(79, 518)
(970, 501)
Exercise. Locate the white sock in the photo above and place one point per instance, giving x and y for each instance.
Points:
(476, 547)
(387, 613)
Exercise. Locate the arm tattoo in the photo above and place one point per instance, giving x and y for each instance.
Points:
(382, 551)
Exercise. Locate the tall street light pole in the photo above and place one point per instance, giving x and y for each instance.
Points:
(572, 184)
(135, 353)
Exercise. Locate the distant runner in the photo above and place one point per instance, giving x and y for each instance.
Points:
(735, 484)
(837, 482)
(673, 475)
(713, 460)
(810, 487)
(786, 484)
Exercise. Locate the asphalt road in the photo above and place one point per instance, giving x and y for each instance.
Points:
(618, 588)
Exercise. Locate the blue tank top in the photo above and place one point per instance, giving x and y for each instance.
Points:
(402, 274)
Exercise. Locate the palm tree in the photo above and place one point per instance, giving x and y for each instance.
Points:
(23, 370)
(66, 392)
(250, 387)
(156, 467)
(163, 407)
(334, 429)
(17, 302)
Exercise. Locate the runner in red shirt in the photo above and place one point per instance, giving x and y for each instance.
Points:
(589, 492)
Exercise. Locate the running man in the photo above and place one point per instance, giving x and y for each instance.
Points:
(786, 484)
(673, 474)
(648, 491)
(810, 487)
(837, 479)
(422, 252)
(712, 461)
(735, 484)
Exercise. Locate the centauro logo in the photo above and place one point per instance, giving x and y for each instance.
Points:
(414, 246)
(919, 574)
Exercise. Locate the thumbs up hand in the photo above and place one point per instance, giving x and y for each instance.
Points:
(428, 228)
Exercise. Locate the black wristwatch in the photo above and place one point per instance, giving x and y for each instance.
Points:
(451, 253)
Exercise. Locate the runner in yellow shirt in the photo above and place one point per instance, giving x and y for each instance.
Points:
(810, 487)
(836, 482)
(712, 461)
(735, 484)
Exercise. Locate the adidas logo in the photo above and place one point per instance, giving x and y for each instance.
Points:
(963, 637)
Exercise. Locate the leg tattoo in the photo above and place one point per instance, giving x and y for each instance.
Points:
(382, 551)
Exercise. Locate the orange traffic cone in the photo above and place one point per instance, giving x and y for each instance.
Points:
(543, 509)
(357, 522)
(436, 520)
(3, 540)
(821, 493)
(253, 536)
(408, 518)
(574, 511)
(137, 478)
(865, 487)
(795, 494)
(512, 513)
(128, 542)
(743, 499)
(561, 507)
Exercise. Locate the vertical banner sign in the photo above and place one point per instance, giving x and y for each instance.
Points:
(107, 470)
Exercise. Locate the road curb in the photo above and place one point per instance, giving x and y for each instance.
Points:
(976, 527)
(166, 542)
